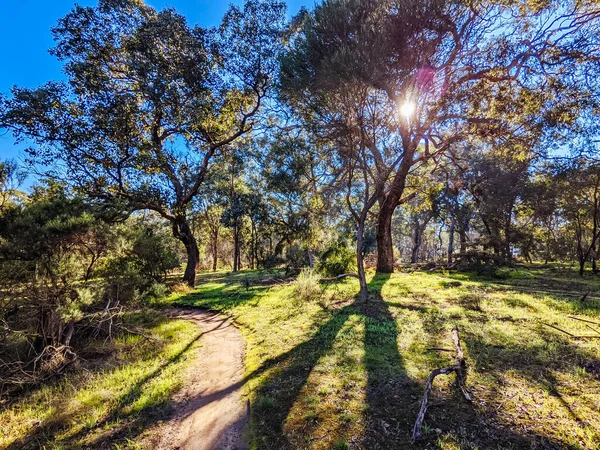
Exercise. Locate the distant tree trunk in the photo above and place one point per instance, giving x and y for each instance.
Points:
(236, 248)
(311, 258)
(362, 278)
(419, 229)
(451, 240)
(417, 239)
(215, 255)
(253, 261)
(183, 232)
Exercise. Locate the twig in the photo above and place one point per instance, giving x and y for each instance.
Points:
(593, 329)
(583, 320)
(458, 368)
(339, 277)
(574, 336)
(138, 333)
(559, 329)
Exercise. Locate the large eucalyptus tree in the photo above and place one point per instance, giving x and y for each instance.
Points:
(391, 84)
(149, 102)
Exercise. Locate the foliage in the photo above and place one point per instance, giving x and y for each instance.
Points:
(149, 102)
(68, 265)
(296, 256)
(336, 260)
(306, 285)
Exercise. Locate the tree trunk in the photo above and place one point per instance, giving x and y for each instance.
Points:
(387, 206)
(311, 261)
(414, 258)
(385, 246)
(215, 255)
(236, 248)
(451, 240)
(183, 232)
(362, 278)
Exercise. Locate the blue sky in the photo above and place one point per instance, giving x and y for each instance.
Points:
(25, 39)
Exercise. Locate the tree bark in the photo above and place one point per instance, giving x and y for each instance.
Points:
(183, 232)
(387, 206)
(414, 256)
(236, 248)
(215, 255)
(451, 240)
(385, 246)
(362, 278)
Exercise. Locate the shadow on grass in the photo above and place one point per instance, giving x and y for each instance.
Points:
(119, 424)
(392, 396)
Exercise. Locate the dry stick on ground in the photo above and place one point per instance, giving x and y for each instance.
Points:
(583, 320)
(458, 368)
(339, 277)
(574, 336)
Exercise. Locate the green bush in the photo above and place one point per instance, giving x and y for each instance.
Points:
(296, 256)
(306, 285)
(337, 259)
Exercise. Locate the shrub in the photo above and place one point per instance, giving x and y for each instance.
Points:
(306, 285)
(336, 260)
(296, 256)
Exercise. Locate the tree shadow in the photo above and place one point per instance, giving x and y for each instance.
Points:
(389, 389)
(119, 424)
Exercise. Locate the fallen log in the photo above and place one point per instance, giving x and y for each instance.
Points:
(458, 368)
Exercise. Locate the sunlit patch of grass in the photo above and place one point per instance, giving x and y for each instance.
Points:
(111, 402)
(331, 372)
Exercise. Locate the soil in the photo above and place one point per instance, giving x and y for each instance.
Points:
(210, 412)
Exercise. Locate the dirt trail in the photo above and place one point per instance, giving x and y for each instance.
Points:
(210, 411)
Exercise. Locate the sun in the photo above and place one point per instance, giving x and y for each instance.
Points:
(408, 108)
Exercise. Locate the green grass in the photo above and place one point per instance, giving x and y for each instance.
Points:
(335, 373)
(112, 398)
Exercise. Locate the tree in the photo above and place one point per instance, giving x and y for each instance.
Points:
(149, 104)
(579, 203)
(10, 179)
(407, 80)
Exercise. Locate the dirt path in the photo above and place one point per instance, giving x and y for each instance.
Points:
(210, 411)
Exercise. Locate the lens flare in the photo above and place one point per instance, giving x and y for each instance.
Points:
(408, 109)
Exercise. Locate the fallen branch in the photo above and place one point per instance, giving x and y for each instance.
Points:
(593, 329)
(574, 336)
(584, 320)
(339, 277)
(458, 368)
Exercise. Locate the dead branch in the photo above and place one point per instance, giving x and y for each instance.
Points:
(458, 368)
(574, 336)
(584, 320)
(339, 277)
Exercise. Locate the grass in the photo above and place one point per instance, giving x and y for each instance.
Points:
(115, 394)
(332, 373)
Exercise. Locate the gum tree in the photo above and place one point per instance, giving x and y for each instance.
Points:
(149, 103)
(408, 80)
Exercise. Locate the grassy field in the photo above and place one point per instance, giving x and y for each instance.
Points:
(334, 373)
(118, 390)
